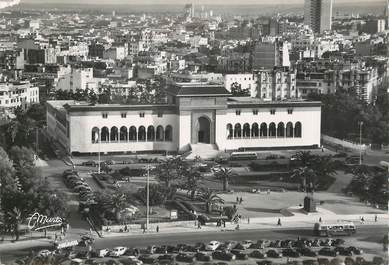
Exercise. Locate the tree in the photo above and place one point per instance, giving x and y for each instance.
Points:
(192, 176)
(158, 194)
(170, 170)
(210, 198)
(305, 158)
(225, 174)
(306, 176)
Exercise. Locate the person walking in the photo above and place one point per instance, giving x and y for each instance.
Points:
(375, 218)
(157, 229)
(279, 222)
(248, 220)
(320, 220)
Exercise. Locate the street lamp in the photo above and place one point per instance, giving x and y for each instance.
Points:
(360, 141)
(147, 197)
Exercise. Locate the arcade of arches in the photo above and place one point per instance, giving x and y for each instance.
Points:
(264, 130)
(132, 134)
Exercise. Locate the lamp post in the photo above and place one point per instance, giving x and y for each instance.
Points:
(147, 197)
(360, 141)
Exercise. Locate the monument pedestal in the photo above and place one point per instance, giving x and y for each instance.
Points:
(309, 204)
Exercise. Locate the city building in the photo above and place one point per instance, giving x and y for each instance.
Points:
(18, 94)
(201, 114)
(318, 15)
(268, 54)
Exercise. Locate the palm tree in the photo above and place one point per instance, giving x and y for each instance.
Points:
(210, 198)
(193, 177)
(225, 174)
(306, 176)
(119, 203)
(305, 157)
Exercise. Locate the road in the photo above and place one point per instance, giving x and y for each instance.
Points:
(371, 232)
(364, 234)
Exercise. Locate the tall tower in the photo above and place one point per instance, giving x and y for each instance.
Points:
(318, 15)
(387, 14)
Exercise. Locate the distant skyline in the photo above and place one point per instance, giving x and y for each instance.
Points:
(199, 2)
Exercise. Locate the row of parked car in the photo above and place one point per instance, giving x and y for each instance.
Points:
(79, 185)
(233, 250)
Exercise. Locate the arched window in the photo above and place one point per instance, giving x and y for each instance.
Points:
(289, 130)
(114, 134)
(237, 131)
(246, 130)
(104, 134)
(142, 133)
(95, 135)
(281, 130)
(168, 133)
(254, 130)
(160, 134)
(272, 130)
(132, 133)
(123, 135)
(263, 130)
(297, 129)
(150, 134)
(230, 131)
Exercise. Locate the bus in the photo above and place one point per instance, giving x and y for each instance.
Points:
(243, 156)
(344, 228)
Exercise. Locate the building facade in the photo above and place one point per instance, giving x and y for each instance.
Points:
(318, 15)
(202, 114)
(18, 94)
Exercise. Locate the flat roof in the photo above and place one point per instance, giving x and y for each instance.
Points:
(257, 102)
(197, 90)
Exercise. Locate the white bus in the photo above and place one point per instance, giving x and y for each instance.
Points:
(243, 156)
(334, 229)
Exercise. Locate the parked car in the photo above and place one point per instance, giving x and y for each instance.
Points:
(68, 172)
(166, 257)
(90, 163)
(310, 262)
(239, 246)
(307, 252)
(264, 262)
(101, 253)
(257, 254)
(44, 253)
(239, 254)
(223, 255)
(148, 259)
(289, 252)
(117, 251)
(161, 250)
(328, 252)
(355, 250)
(212, 246)
(273, 254)
(151, 249)
(110, 162)
(133, 260)
(343, 251)
(200, 256)
(182, 257)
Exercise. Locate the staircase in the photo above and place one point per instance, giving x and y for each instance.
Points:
(205, 151)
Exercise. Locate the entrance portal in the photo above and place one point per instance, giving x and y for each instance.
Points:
(204, 132)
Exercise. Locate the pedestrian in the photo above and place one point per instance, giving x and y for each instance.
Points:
(375, 218)
(199, 225)
(144, 229)
(224, 223)
(279, 222)
(248, 220)
(241, 200)
(362, 220)
(157, 229)
(125, 228)
(55, 237)
(237, 199)
(320, 220)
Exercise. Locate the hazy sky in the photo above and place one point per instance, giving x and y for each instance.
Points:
(205, 2)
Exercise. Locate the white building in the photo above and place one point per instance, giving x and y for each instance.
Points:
(78, 78)
(201, 114)
(18, 94)
(245, 81)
